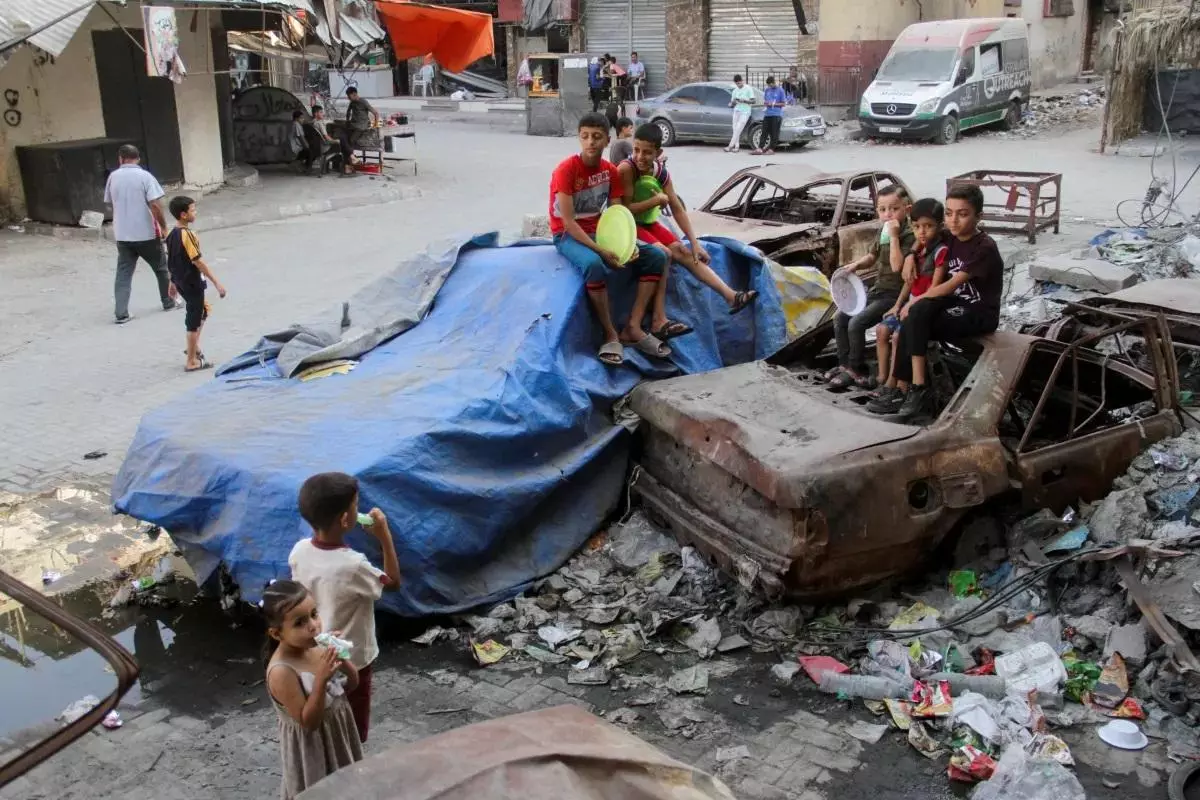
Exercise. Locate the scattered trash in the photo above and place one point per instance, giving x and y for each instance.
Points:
(705, 635)
(868, 687)
(544, 656)
(1071, 540)
(622, 716)
(1017, 775)
(693, 680)
(963, 583)
(553, 635)
(50, 576)
(1034, 668)
(900, 712)
(785, 671)
(924, 743)
(249, 701)
(932, 700)
(1113, 683)
(866, 732)
(95, 455)
(969, 765)
(1123, 734)
(430, 636)
(816, 666)
(726, 754)
(489, 652)
(78, 709)
(731, 643)
(112, 720)
(1049, 747)
(590, 676)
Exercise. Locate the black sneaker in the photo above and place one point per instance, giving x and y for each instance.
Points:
(171, 305)
(917, 403)
(124, 319)
(888, 402)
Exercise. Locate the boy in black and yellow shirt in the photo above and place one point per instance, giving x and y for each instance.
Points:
(188, 272)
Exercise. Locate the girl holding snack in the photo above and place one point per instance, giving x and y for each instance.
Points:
(308, 684)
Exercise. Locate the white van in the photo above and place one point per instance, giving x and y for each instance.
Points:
(941, 78)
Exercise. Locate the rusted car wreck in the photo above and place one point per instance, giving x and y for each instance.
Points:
(794, 488)
(796, 215)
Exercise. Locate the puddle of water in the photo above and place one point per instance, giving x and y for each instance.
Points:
(43, 669)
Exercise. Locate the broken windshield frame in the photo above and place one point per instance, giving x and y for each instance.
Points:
(919, 64)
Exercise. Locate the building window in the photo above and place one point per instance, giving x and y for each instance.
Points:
(989, 59)
(1059, 8)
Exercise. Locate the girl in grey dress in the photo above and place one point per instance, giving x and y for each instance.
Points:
(308, 685)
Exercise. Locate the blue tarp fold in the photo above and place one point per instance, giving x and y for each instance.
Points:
(484, 432)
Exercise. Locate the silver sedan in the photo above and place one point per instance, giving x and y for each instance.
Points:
(700, 112)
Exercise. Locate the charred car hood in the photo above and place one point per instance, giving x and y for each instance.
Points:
(761, 423)
(748, 231)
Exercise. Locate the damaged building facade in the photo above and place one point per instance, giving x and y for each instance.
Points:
(836, 44)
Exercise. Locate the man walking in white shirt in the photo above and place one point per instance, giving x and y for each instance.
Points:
(138, 223)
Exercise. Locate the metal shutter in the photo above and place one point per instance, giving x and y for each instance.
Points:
(620, 26)
(758, 36)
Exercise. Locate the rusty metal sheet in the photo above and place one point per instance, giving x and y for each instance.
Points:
(748, 231)
(1172, 294)
(551, 754)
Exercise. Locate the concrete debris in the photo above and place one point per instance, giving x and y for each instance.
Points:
(866, 732)
(726, 754)
(731, 643)
(693, 680)
(591, 676)
(1089, 274)
(622, 716)
(1130, 642)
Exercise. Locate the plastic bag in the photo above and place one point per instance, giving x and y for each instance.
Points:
(1019, 777)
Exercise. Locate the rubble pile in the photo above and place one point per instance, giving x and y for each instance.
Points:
(1059, 112)
(1043, 629)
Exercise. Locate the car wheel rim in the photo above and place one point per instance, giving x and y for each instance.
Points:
(666, 131)
(949, 131)
(1013, 115)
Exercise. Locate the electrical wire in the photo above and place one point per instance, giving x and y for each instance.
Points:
(1155, 212)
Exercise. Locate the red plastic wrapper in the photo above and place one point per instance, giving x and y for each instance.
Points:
(969, 765)
(1128, 709)
(932, 701)
(986, 661)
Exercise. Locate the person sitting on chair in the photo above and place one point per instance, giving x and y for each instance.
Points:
(330, 142)
(636, 76)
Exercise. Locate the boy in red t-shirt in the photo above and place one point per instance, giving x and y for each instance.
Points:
(581, 188)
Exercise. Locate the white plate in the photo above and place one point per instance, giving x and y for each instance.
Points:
(890, 129)
(818, 131)
(849, 293)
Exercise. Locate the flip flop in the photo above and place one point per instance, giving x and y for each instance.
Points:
(833, 373)
(651, 346)
(204, 364)
(741, 300)
(612, 353)
(842, 381)
(672, 330)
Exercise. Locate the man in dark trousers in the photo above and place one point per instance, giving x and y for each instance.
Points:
(138, 223)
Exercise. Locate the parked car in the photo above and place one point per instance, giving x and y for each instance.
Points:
(797, 489)
(797, 215)
(700, 112)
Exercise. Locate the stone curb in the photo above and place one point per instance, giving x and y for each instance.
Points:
(215, 222)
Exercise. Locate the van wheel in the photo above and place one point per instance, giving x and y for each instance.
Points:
(1012, 117)
(668, 132)
(948, 132)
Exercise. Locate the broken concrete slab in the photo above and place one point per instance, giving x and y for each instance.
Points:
(1091, 627)
(1089, 274)
(1130, 642)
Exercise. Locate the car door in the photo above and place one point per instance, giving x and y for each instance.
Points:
(858, 227)
(718, 116)
(685, 108)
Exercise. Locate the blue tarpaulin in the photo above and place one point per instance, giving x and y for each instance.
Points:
(484, 432)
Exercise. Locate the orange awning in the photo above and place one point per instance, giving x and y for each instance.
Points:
(454, 37)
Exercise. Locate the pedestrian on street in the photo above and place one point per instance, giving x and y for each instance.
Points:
(345, 584)
(774, 99)
(309, 686)
(188, 273)
(741, 100)
(138, 220)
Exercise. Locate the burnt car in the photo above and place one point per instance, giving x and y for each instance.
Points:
(118, 658)
(796, 215)
(796, 489)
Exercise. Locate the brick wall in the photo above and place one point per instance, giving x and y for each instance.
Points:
(687, 41)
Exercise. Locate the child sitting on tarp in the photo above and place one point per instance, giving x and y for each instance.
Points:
(646, 180)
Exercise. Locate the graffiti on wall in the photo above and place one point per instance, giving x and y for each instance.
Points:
(12, 114)
(262, 124)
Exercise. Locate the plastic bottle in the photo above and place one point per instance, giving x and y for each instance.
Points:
(868, 687)
(990, 686)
